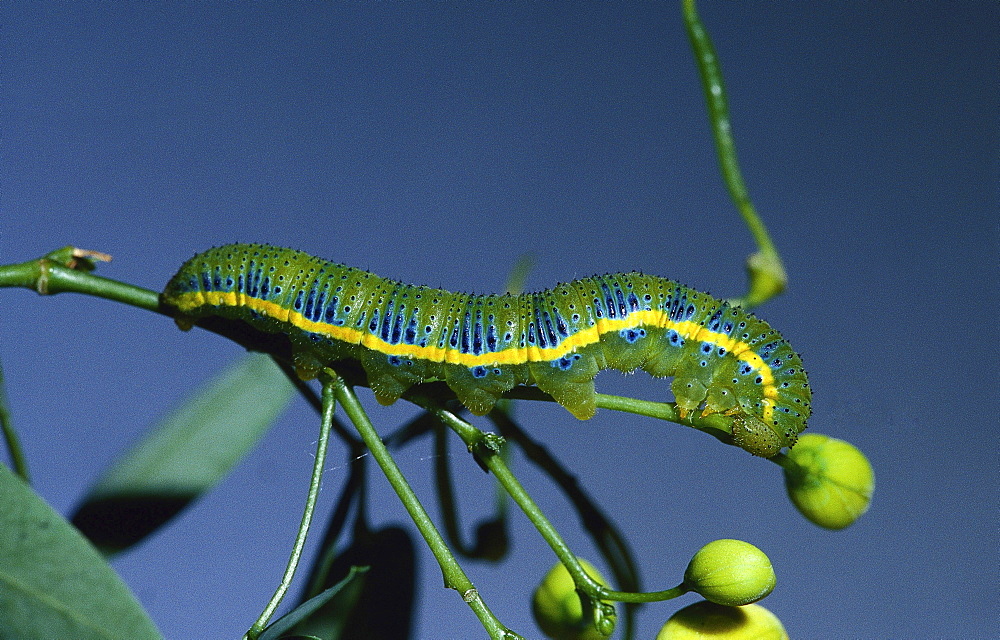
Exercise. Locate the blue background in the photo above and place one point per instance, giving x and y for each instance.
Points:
(436, 142)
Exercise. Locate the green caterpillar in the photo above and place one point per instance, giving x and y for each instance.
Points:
(722, 359)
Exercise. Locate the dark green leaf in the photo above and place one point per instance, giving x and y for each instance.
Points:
(53, 583)
(337, 602)
(190, 451)
(384, 607)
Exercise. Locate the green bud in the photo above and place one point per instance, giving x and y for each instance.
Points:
(557, 608)
(828, 480)
(709, 621)
(730, 572)
(767, 277)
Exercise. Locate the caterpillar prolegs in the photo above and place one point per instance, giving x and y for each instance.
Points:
(722, 359)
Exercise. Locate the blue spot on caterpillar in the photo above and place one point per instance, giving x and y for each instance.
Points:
(722, 359)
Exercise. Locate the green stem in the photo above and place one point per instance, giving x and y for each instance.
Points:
(486, 447)
(17, 458)
(49, 277)
(454, 576)
(767, 274)
(329, 404)
(785, 462)
(353, 493)
(646, 596)
(606, 537)
(716, 424)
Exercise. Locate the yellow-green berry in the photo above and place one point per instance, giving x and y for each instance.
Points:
(730, 572)
(828, 480)
(557, 609)
(709, 621)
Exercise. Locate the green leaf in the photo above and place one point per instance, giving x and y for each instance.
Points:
(53, 584)
(190, 451)
(337, 602)
(382, 609)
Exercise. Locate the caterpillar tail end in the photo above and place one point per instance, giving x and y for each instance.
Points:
(754, 436)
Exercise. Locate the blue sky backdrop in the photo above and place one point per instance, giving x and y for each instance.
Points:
(436, 142)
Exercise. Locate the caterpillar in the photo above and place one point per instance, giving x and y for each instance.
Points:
(722, 358)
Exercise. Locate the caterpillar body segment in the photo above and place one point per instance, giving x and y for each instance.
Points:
(722, 359)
